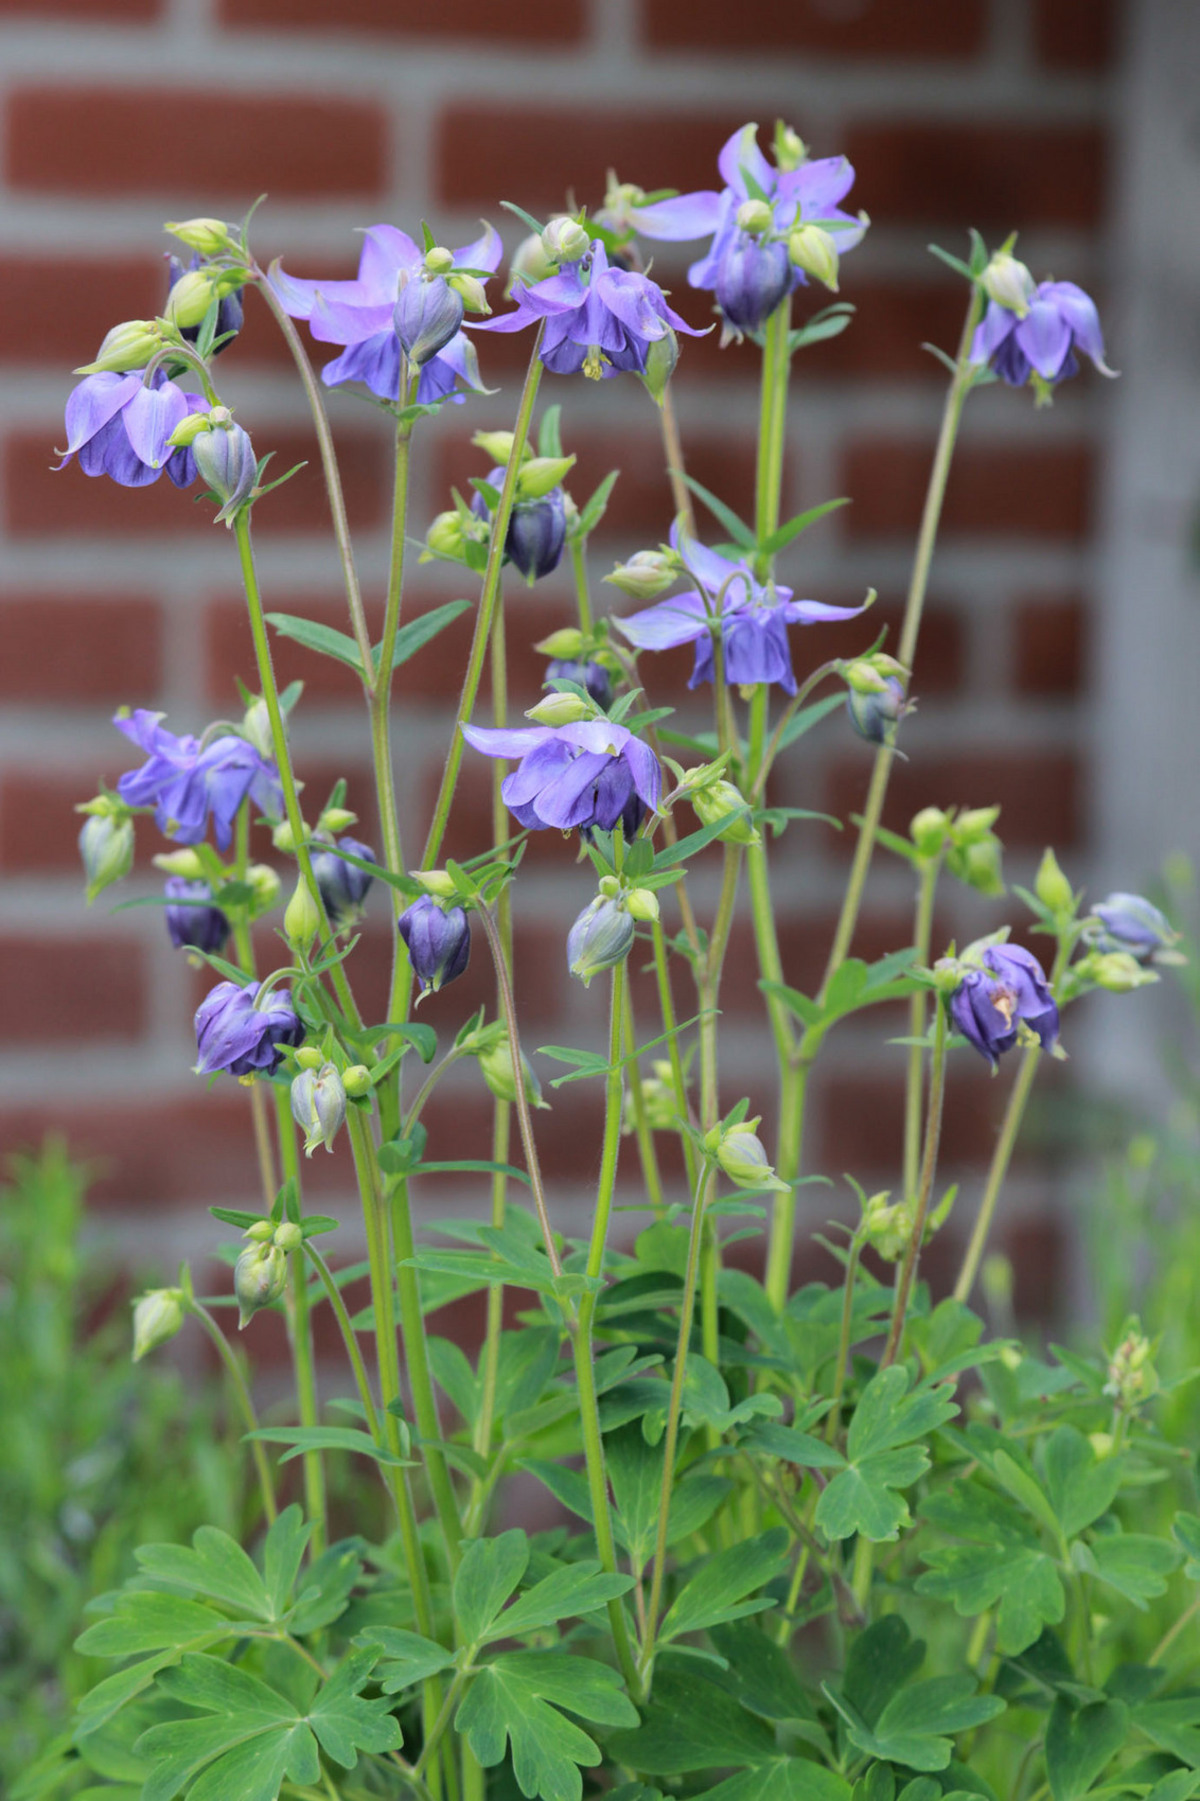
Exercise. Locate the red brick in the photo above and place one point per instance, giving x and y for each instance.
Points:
(861, 1119)
(39, 828)
(115, 141)
(1039, 793)
(933, 29)
(59, 989)
(1050, 646)
(940, 664)
(135, 10)
(891, 323)
(59, 648)
(533, 22)
(229, 650)
(56, 309)
(153, 1155)
(996, 176)
(1037, 491)
(1075, 34)
(485, 151)
(40, 501)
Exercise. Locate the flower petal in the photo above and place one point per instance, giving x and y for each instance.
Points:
(671, 622)
(680, 219)
(150, 417)
(387, 253)
(481, 253)
(567, 801)
(643, 766)
(814, 612)
(740, 156)
(505, 742)
(1045, 338)
(96, 400)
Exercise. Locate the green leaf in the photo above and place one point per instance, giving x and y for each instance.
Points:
(407, 1657)
(1133, 1563)
(344, 1722)
(761, 1674)
(215, 1566)
(695, 841)
(145, 1621)
(1173, 1724)
(417, 633)
(739, 532)
(282, 1554)
(250, 1719)
(325, 1438)
(593, 511)
(1186, 1532)
(570, 1592)
(881, 1660)
(881, 1457)
(691, 1723)
(321, 638)
(1002, 1565)
(1080, 1743)
(807, 717)
(783, 1779)
(778, 539)
(717, 1591)
(516, 1700)
(916, 1726)
(488, 1574)
(1081, 1486)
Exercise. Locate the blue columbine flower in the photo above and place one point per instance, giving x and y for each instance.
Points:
(343, 885)
(1041, 338)
(585, 775)
(537, 529)
(597, 319)
(193, 923)
(1003, 987)
(119, 426)
(186, 780)
(438, 941)
(1130, 923)
(754, 618)
(361, 314)
(233, 1033)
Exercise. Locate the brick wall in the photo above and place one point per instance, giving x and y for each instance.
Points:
(115, 114)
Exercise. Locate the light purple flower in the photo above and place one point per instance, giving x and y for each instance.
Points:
(361, 315)
(597, 319)
(754, 618)
(572, 776)
(233, 1034)
(1007, 987)
(118, 426)
(1059, 320)
(186, 781)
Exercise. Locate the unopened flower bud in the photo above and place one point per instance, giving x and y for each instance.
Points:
(157, 1317)
(928, 831)
(887, 1227)
(753, 275)
(565, 240)
(225, 460)
(978, 863)
(256, 728)
(426, 317)
(261, 1232)
(259, 1277)
(719, 799)
(646, 575)
(1117, 971)
(529, 265)
(975, 824)
(567, 642)
(498, 445)
(1132, 1377)
(192, 921)
(1052, 887)
(642, 903)
(309, 1057)
(1128, 922)
(318, 1107)
(658, 1098)
(790, 148)
(743, 1157)
(1009, 283)
(438, 940)
(755, 216)
(592, 677)
(343, 885)
(356, 1080)
(447, 536)
(471, 291)
(1102, 1444)
(106, 847)
(815, 251)
(302, 919)
(207, 236)
(183, 863)
(191, 296)
(496, 1067)
(538, 475)
(662, 359)
(600, 939)
(265, 888)
(126, 347)
(336, 819)
(876, 713)
(436, 881)
(439, 260)
(560, 709)
(190, 427)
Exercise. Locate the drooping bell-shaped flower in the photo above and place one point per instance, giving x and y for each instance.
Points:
(579, 776)
(438, 940)
(193, 923)
(1002, 987)
(234, 1034)
(343, 885)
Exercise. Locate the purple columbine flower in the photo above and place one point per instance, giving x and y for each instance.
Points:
(584, 775)
(1130, 923)
(233, 1034)
(118, 426)
(230, 312)
(1059, 319)
(593, 678)
(343, 885)
(597, 319)
(537, 529)
(754, 618)
(193, 923)
(361, 315)
(752, 276)
(1005, 988)
(186, 781)
(438, 940)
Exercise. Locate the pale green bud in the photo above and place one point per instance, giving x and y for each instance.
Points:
(256, 728)
(439, 260)
(662, 359)
(283, 837)
(928, 830)
(191, 297)
(447, 536)
(610, 885)
(790, 148)
(266, 887)
(157, 1317)
(318, 1100)
(755, 216)
(743, 1157)
(600, 938)
(336, 819)
(436, 882)
(815, 251)
(126, 347)
(565, 240)
(540, 474)
(658, 1101)
(642, 903)
(496, 1066)
(887, 1228)
(259, 1277)
(529, 265)
(183, 863)
(978, 864)
(207, 236)
(1052, 887)
(498, 445)
(106, 847)
(356, 1080)
(196, 424)
(1009, 283)
(646, 575)
(309, 1057)
(1132, 1377)
(717, 800)
(1116, 971)
(302, 919)
(288, 1236)
(871, 674)
(1102, 1444)
(564, 645)
(262, 1231)
(974, 824)
(561, 709)
(470, 288)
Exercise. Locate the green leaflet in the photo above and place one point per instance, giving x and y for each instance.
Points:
(881, 1457)
(917, 1724)
(1080, 1743)
(215, 1566)
(718, 1589)
(1002, 1564)
(1080, 1485)
(1136, 1565)
(488, 1574)
(516, 1700)
(692, 1724)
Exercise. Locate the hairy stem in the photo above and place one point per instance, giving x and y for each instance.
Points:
(241, 1393)
(300, 1335)
(906, 1274)
(922, 931)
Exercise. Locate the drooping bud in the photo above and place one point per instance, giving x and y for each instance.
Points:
(302, 917)
(438, 942)
(344, 886)
(978, 864)
(565, 240)
(592, 677)
(662, 360)
(642, 903)
(157, 1317)
(875, 715)
(1008, 282)
(1052, 887)
(600, 938)
(537, 532)
(209, 237)
(928, 831)
(646, 575)
(752, 279)
(496, 1067)
(755, 217)
(718, 800)
(126, 347)
(106, 847)
(1130, 923)
(815, 251)
(1117, 971)
(471, 291)
(318, 1106)
(259, 1277)
(426, 317)
(193, 923)
(191, 296)
(356, 1080)
(742, 1155)
(560, 709)
(225, 461)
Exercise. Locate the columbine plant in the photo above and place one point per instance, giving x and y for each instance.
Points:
(763, 1492)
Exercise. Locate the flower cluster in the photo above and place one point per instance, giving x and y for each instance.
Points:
(120, 425)
(583, 776)
(187, 782)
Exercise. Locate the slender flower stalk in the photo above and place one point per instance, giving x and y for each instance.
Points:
(241, 1393)
(1014, 1113)
(906, 1274)
(922, 931)
(300, 1335)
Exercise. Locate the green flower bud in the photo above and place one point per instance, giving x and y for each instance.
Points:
(790, 148)
(207, 236)
(871, 674)
(642, 903)
(662, 359)
(646, 575)
(336, 819)
(600, 938)
(498, 445)
(496, 1066)
(565, 240)
(470, 288)
(564, 645)
(928, 831)
(283, 838)
(978, 864)
(356, 1080)
(439, 260)
(189, 429)
(157, 1317)
(529, 265)
(191, 297)
(658, 1101)
(436, 882)
(256, 728)
(288, 1236)
(1102, 1444)
(974, 824)
(309, 1057)
(815, 251)
(1116, 971)
(717, 800)
(126, 347)
(561, 709)
(262, 1231)
(259, 1277)
(743, 1157)
(887, 1228)
(318, 1100)
(755, 216)
(1132, 1377)
(106, 847)
(302, 919)
(1052, 887)
(183, 863)
(1009, 283)
(265, 888)
(540, 474)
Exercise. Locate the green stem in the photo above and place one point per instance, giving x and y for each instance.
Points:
(241, 1392)
(1001, 1156)
(420, 1379)
(647, 1154)
(673, 446)
(922, 931)
(1172, 1633)
(768, 477)
(666, 1007)
(380, 692)
(933, 1132)
(582, 594)
(842, 1366)
(300, 1335)
(581, 1334)
(341, 1313)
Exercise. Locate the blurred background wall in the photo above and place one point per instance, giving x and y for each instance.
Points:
(118, 114)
